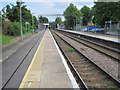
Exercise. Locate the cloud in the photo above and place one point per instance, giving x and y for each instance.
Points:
(79, 5)
(51, 7)
(39, 8)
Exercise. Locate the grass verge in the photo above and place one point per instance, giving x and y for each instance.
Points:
(6, 39)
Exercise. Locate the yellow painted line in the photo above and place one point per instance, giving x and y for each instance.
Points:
(22, 85)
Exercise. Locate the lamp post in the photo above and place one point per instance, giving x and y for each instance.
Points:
(105, 27)
(81, 22)
(110, 25)
(76, 22)
(32, 23)
(27, 27)
(21, 33)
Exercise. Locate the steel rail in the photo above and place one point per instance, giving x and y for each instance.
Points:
(110, 77)
(91, 42)
(80, 35)
(76, 39)
(76, 74)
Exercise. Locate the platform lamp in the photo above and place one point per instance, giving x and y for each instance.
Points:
(27, 27)
(73, 24)
(21, 33)
(76, 22)
(33, 23)
(81, 22)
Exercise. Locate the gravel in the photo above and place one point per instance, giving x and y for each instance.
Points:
(106, 63)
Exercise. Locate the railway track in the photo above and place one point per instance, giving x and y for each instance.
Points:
(106, 62)
(88, 74)
(106, 50)
(18, 66)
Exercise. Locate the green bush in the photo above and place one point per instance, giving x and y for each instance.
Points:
(14, 29)
(5, 25)
(24, 29)
(71, 49)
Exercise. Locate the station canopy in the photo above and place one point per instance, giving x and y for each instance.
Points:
(45, 24)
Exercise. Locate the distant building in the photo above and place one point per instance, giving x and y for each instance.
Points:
(113, 25)
(116, 25)
(90, 23)
(43, 26)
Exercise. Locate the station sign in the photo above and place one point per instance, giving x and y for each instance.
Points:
(108, 22)
(27, 22)
(46, 23)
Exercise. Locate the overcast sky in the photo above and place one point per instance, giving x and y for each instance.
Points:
(51, 6)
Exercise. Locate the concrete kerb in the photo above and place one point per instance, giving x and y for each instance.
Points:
(69, 73)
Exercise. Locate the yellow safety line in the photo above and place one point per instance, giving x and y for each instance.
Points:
(31, 64)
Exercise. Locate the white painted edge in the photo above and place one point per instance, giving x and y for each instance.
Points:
(72, 79)
(96, 36)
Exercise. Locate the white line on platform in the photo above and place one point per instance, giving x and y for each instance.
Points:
(29, 84)
(73, 81)
(1, 60)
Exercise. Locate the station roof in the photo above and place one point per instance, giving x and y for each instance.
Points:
(43, 24)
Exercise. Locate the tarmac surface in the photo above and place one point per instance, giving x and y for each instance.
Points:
(48, 69)
(11, 48)
(15, 66)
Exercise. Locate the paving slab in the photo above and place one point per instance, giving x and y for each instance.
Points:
(101, 36)
(46, 69)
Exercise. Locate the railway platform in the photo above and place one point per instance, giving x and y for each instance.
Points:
(48, 68)
(96, 35)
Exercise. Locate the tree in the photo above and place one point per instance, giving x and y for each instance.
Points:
(12, 14)
(106, 11)
(35, 22)
(43, 19)
(7, 10)
(58, 20)
(71, 14)
(87, 14)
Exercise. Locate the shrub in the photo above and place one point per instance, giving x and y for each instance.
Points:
(24, 29)
(5, 25)
(14, 29)
(71, 49)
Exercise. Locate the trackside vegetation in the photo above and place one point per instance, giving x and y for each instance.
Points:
(6, 39)
(11, 21)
